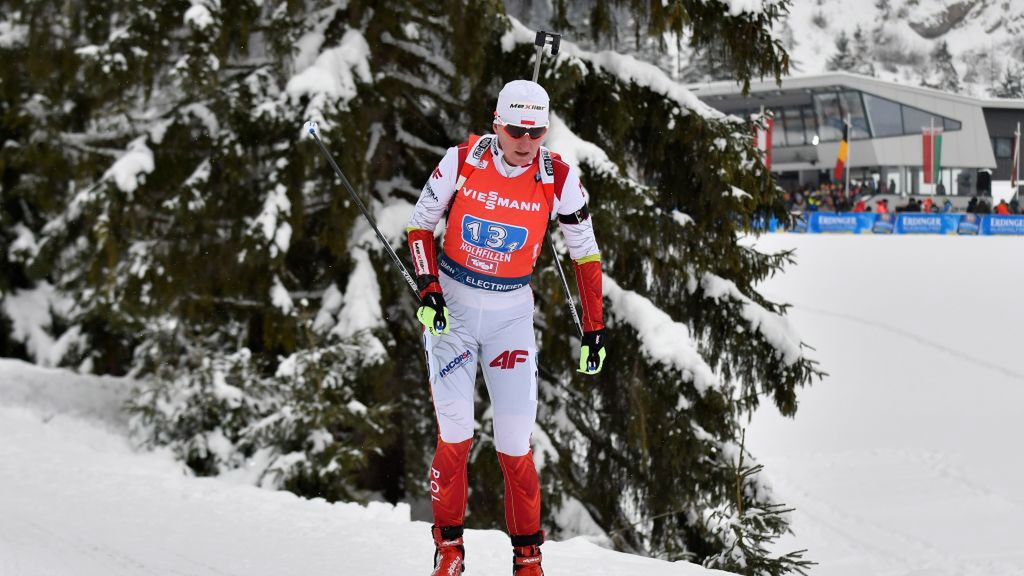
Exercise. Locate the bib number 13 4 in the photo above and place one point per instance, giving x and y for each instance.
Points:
(496, 236)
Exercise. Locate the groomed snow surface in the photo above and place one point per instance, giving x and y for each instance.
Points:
(903, 462)
(906, 460)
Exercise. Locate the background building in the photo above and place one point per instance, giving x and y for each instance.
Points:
(887, 119)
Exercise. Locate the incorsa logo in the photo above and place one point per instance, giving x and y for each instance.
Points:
(455, 363)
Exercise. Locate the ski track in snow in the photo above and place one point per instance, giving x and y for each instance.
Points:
(912, 336)
(902, 462)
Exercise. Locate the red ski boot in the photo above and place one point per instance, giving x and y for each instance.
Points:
(526, 555)
(449, 554)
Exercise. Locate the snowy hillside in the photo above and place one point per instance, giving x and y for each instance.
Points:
(77, 500)
(903, 462)
(984, 37)
(898, 40)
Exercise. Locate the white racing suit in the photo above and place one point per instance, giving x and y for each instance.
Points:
(498, 216)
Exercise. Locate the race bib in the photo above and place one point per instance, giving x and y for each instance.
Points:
(495, 236)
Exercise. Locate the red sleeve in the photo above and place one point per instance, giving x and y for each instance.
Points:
(421, 242)
(561, 172)
(588, 280)
(424, 260)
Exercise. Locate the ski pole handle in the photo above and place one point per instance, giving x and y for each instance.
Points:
(543, 38)
(313, 130)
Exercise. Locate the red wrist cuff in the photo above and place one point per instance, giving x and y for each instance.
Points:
(588, 281)
(424, 254)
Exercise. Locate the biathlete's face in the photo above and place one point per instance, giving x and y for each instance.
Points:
(520, 144)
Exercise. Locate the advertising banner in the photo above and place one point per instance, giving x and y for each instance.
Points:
(1002, 225)
(918, 223)
(833, 222)
(908, 223)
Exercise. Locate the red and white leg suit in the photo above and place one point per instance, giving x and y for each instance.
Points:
(493, 330)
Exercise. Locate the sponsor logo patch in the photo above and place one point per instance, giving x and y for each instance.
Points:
(492, 199)
(429, 191)
(474, 263)
(508, 359)
(419, 257)
(526, 106)
(481, 147)
(459, 360)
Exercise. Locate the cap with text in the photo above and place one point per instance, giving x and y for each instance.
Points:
(523, 103)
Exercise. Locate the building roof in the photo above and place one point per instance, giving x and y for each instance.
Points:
(712, 91)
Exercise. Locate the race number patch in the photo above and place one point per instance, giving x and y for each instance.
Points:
(495, 236)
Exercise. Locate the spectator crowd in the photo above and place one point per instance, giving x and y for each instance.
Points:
(829, 197)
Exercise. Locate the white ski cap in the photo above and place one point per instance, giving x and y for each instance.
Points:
(522, 103)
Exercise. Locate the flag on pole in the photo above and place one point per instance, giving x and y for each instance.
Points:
(1016, 160)
(931, 150)
(843, 150)
(763, 140)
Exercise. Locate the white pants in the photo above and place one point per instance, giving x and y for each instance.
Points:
(495, 330)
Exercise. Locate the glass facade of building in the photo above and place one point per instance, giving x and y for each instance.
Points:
(870, 117)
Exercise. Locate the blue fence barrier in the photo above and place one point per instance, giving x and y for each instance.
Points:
(904, 223)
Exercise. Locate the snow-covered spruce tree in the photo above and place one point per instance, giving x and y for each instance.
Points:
(739, 35)
(749, 532)
(184, 253)
(863, 60)
(222, 263)
(1011, 85)
(696, 346)
(842, 59)
(37, 108)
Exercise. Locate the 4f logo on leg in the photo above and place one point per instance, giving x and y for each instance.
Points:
(509, 358)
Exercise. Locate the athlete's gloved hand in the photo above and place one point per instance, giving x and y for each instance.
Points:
(433, 313)
(592, 352)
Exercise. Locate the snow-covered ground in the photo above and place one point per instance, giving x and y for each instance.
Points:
(904, 462)
(77, 500)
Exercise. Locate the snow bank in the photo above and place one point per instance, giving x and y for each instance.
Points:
(75, 498)
(50, 392)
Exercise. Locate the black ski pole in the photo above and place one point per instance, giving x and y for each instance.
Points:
(543, 39)
(314, 131)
